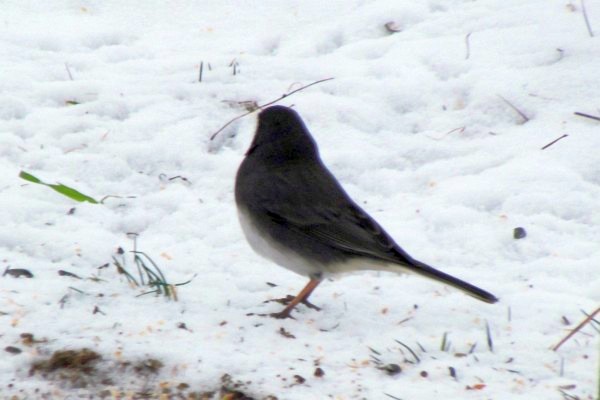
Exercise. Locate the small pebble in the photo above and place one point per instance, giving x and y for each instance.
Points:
(452, 372)
(519, 233)
(392, 369)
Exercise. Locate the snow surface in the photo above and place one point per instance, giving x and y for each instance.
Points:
(103, 96)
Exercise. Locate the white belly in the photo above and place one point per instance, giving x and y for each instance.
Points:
(291, 260)
(275, 252)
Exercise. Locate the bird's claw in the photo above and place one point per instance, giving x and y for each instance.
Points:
(288, 299)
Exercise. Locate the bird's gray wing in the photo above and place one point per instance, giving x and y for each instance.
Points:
(325, 213)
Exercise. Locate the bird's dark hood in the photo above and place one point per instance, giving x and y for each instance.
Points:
(281, 135)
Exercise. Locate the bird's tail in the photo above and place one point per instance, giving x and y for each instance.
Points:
(432, 273)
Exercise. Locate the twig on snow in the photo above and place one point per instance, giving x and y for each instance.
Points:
(585, 17)
(460, 130)
(587, 116)
(283, 96)
(234, 65)
(568, 396)
(69, 71)
(554, 141)
(594, 321)
(488, 333)
(417, 359)
(511, 105)
(561, 372)
(392, 397)
(577, 329)
(445, 345)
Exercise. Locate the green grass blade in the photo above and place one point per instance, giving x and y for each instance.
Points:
(186, 282)
(72, 193)
(141, 267)
(60, 188)
(122, 270)
(29, 177)
(162, 277)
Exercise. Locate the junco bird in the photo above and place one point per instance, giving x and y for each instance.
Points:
(294, 212)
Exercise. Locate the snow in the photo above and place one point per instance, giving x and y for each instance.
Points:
(104, 97)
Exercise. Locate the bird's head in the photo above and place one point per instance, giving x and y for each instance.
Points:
(281, 135)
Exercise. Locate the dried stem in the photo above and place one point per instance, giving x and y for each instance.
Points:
(554, 141)
(68, 71)
(511, 105)
(587, 21)
(283, 96)
(417, 359)
(587, 116)
(593, 322)
(460, 130)
(392, 397)
(577, 329)
(488, 333)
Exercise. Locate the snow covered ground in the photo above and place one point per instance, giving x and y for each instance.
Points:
(420, 126)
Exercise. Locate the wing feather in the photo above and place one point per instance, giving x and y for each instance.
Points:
(334, 220)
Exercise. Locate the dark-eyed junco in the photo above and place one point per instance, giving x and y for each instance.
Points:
(295, 213)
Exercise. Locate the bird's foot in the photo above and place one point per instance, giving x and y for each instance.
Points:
(281, 315)
(287, 300)
(278, 315)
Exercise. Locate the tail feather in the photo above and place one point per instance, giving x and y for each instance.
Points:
(472, 290)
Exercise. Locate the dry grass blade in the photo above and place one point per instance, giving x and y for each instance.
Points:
(554, 141)
(587, 21)
(445, 345)
(521, 113)
(577, 329)
(488, 333)
(587, 116)
(417, 359)
(392, 397)
(593, 322)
